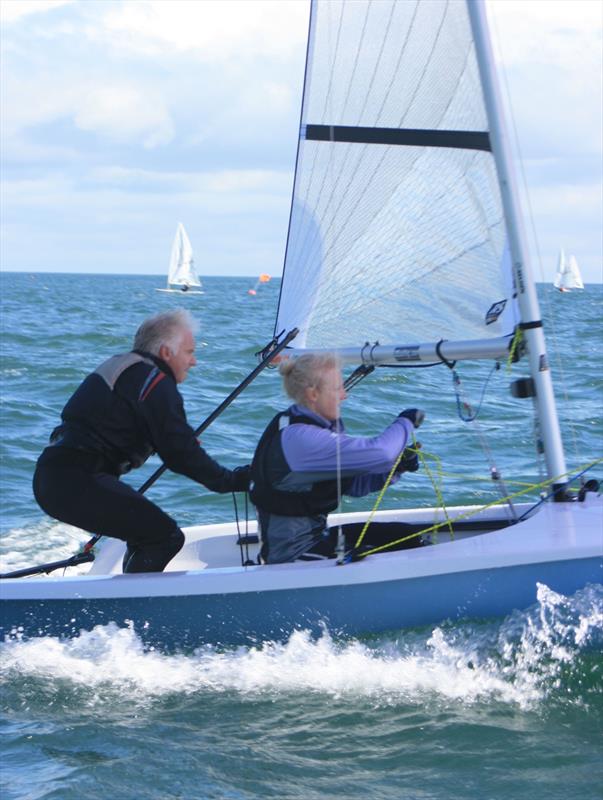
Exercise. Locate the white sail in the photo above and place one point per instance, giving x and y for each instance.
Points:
(568, 275)
(397, 230)
(182, 272)
(405, 218)
(560, 274)
(574, 276)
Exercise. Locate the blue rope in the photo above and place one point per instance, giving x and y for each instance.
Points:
(551, 494)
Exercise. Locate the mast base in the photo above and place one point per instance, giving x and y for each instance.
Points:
(563, 494)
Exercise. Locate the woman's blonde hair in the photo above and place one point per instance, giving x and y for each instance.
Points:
(306, 372)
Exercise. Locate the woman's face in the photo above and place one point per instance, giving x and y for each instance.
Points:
(326, 399)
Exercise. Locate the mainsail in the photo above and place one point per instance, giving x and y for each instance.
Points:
(182, 270)
(397, 232)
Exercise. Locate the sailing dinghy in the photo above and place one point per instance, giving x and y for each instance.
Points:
(568, 275)
(405, 248)
(182, 275)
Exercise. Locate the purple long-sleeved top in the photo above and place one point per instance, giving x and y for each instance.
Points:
(311, 450)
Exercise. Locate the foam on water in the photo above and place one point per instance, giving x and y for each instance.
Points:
(54, 541)
(520, 661)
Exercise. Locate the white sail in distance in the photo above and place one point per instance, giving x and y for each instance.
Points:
(574, 272)
(182, 270)
(568, 275)
(557, 283)
(396, 231)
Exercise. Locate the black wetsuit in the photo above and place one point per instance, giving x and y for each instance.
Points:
(127, 409)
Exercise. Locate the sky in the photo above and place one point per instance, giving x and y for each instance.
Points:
(121, 118)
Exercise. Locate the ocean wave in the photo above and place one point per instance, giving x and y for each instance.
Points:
(524, 661)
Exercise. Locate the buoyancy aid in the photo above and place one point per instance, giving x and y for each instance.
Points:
(90, 410)
(269, 467)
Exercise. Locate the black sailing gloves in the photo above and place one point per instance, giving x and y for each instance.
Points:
(409, 461)
(410, 457)
(415, 415)
(241, 476)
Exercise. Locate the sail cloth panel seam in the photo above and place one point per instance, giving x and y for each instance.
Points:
(411, 137)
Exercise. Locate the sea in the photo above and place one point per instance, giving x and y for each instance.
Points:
(475, 709)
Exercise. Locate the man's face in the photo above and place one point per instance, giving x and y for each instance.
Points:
(183, 359)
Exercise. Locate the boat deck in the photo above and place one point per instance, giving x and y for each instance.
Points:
(217, 546)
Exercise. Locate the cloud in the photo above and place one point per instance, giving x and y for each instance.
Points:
(212, 30)
(148, 72)
(562, 31)
(119, 219)
(204, 185)
(133, 114)
(552, 67)
(124, 112)
(13, 10)
(119, 111)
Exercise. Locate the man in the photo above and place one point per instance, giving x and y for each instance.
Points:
(128, 408)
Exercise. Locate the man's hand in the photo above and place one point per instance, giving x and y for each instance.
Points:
(241, 478)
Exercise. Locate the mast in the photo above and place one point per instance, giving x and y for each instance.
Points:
(531, 322)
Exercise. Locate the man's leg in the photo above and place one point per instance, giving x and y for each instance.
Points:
(102, 504)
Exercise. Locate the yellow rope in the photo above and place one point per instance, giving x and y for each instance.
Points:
(436, 485)
(476, 478)
(423, 455)
(378, 501)
(514, 344)
(439, 525)
(436, 488)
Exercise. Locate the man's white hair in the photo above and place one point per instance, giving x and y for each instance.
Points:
(167, 328)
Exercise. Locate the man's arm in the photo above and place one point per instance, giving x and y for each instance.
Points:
(176, 444)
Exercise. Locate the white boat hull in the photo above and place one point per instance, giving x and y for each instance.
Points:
(180, 291)
(206, 596)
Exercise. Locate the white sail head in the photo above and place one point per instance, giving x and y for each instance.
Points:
(396, 231)
(182, 270)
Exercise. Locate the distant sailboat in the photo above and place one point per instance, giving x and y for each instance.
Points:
(182, 275)
(568, 274)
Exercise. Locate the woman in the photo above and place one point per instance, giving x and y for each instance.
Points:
(304, 461)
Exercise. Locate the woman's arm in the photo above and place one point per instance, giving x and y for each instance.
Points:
(310, 449)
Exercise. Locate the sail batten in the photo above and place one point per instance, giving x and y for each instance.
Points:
(464, 140)
(396, 230)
